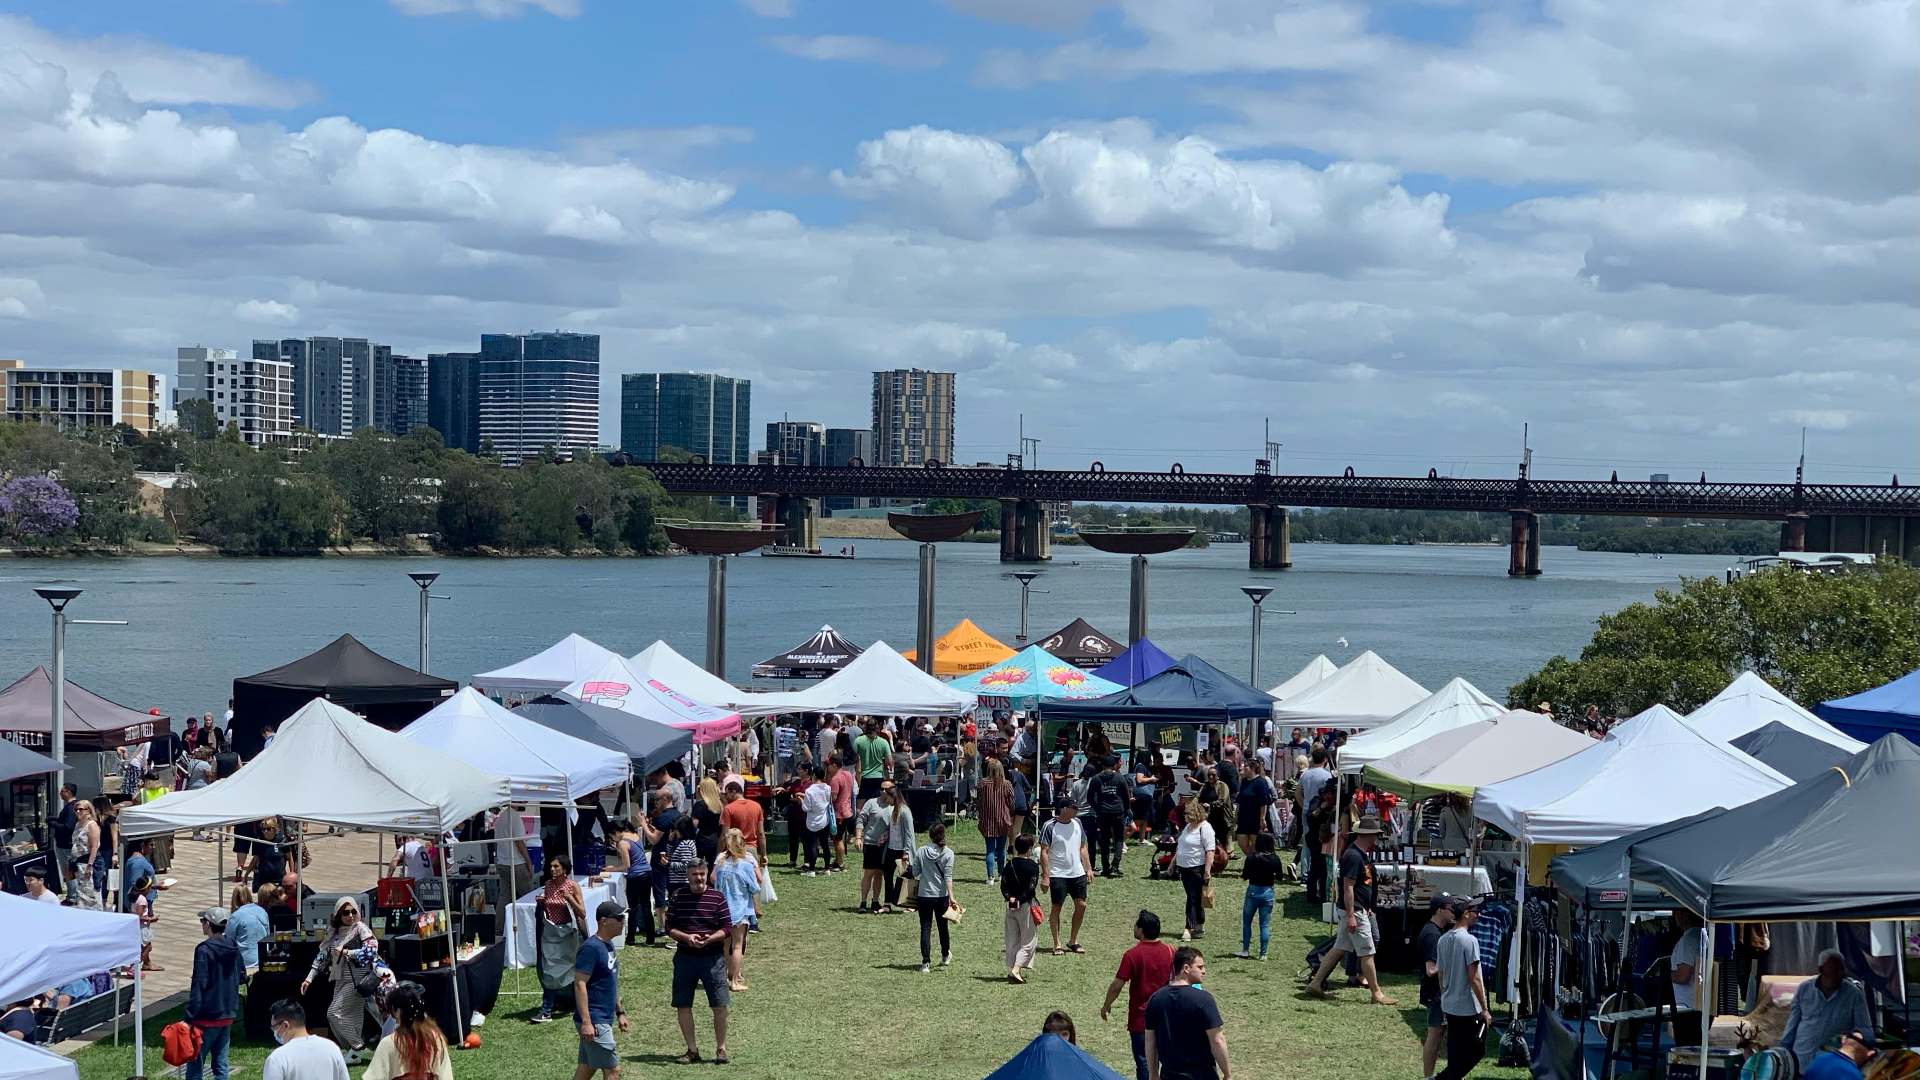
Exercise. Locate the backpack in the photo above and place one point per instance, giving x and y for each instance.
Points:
(179, 1043)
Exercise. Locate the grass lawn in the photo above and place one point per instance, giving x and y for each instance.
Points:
(834, 992)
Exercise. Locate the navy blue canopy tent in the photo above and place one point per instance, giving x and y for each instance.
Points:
(650, 745)
(1192, 691)
(1142, 661)
(1051, 1057)
(1870, 714)
(1596, 876)
(1789, 751)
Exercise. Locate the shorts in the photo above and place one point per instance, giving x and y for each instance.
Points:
(708, 971)
(1359, 942)
(870, 787)
(842, 826)
(873, 856)
(599, 1052)
(1061, 888)
(1436, 1017)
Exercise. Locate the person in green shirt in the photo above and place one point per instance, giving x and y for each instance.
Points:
(873, 750)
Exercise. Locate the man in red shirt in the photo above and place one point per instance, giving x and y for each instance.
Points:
(840, 782)
(746, 815)
(1144, 968)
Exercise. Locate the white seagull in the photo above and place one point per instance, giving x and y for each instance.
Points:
(1340, 641)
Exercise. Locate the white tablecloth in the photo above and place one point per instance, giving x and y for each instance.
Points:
(523, 942)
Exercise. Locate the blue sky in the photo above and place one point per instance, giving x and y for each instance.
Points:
(1398, 230)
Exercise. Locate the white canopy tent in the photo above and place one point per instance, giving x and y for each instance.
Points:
(1316, 671)
(329, 766)
(25, 1061)
(540, 764)
(1750, 703)
(44, 945)
(878, 682)
(1465, 759)
(660, 661)
(1365, 693)
(571, 658)
(1454, 705)
(618, 685)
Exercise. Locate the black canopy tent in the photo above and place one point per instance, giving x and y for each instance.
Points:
(1079, 644)
(1794, 754)
(650, 745)
(344, 672)
(821, 655)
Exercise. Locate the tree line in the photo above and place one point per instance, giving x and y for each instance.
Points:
(68, 490)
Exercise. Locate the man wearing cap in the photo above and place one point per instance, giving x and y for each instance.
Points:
(1356, 934)
(1463, 993)
(1824, 1006)
(1844, 1061)
(1064, 871)
(213, 995)
(596, 995)
(1438, 924)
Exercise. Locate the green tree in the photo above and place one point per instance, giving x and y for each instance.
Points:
(387, 483)
(645, 499)
(198, 419)
(90, 465)
(476, 504)
(245, 502)
(1815, 636)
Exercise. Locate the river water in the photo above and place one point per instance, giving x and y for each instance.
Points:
(197, 623)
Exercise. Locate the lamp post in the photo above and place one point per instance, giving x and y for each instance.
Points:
(425, 580)
(1257, 594)
(58, 599)
(1025, 578)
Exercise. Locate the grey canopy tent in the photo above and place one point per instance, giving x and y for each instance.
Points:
(650, 745)
(1795, 754)
(1597, 876)
(18, 761)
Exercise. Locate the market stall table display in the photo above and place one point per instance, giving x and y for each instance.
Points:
(521, 933)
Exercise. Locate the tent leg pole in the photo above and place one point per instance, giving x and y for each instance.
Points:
(219, 865)
(460, 1019)
(1705, 998)
(1519, 924)
(139, 1026)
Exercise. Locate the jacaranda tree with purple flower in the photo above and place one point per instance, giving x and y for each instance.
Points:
(36, 508)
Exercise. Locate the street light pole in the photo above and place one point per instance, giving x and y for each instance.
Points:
(1025, 578)
(425, 580)
(1257, 594)
(58, 599)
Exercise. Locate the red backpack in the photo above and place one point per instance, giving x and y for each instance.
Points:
(179, 1043)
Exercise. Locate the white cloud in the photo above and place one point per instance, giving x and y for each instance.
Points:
(488, 9)
(953, 178)
(150, 72)
(1055, 15)
(20, 298)
(658, 144)
(857, 49)
(266, 311)
(770, 9)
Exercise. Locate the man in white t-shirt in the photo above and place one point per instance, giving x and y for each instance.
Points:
(1685, 962)
(414, 858)
(512, 862)
(1063, 872)
(300, 1056)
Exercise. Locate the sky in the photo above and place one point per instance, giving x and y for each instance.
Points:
(1664, 237)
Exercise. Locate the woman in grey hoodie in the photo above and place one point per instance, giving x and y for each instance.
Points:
(933, 894)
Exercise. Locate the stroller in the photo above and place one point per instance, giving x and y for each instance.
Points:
(1160, 868)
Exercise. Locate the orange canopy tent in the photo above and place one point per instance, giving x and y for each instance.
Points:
(964, 650)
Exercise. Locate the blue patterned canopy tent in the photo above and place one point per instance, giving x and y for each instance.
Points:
(1032, 675)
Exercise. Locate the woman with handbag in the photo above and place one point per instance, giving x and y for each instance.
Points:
(1019, 881)
(932, 866)
(352, 979)
(1193, 857)
(563, 921)
(84, 851)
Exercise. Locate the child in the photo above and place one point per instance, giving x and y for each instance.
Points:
(143, 908)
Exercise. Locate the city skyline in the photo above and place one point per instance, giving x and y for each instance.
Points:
(1401, 231)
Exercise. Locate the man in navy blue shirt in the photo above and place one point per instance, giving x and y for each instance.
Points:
(596, 995)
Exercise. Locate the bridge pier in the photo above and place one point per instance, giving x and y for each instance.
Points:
(1269, 538)
(1024, 536)
(795, 517)
(1523, 545)
(1793, 533)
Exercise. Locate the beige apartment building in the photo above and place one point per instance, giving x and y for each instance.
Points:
(82, 397)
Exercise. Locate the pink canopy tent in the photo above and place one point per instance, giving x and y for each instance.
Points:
(615, 685)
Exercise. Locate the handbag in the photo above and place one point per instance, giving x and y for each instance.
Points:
(1038, 915)
(179, 1043)
(1206, 895)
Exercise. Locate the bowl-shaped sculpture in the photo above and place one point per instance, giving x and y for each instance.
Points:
(718, 538)
(933, 528)
(1139, 540)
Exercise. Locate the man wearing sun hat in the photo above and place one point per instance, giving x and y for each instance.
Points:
(1356, 927)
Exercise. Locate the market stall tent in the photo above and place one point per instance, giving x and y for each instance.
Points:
(661, 661)
(1080, 644)
(647, 744)
(92, 722)
(1033, 675)
(1142, 661)
(826, 652)
(17, 761)
(25, 1061)
(1454, 705)
(1192, 691)
(540, 764)
(618, 685)
(964, 650)
(1794, 753)
(1749, 703)
(879, 682)
(327, 765)
(1366, 692)
(1597, 876)
(1802, 853)
(1650, 769)
(1050, 1057)
(344, 672)
(44, 945)
(1869, 714)
(1461, 761)
(1313, 674)
(552, 668)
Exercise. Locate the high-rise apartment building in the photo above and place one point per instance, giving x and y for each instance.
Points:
(341, 385)
(399, 391)
(708, 415)
(843, 447)
(912, 417)
(453, 399)
(81, 397)
(798, 442)
(256, 396)
(539, 392)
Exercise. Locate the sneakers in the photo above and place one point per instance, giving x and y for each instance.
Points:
(1186, 935)
(1242, 955)
(356, 1056)
(543, 1017)
(924, 968)
(946, 959)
